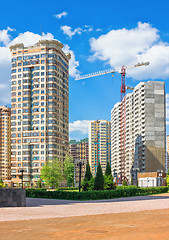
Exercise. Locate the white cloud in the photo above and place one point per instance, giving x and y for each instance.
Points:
(81, 126)
(30, 38)
(4, 35)
(60, 15)
(127, 47)
(73, 64)
(67, 30)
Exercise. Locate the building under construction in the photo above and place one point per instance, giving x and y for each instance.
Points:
(138, 131)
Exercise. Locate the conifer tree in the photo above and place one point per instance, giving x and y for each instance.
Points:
(108, 178)
(88, 182)
(99, 179)
(88, 174)
(108, 169)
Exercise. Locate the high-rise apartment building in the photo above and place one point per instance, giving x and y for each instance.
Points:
(39, 107)
(79, 151)
(167, 154)
(99, 144)
(5, 143)
(144, 131)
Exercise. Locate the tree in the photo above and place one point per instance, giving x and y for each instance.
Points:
(88, 182)
(167, 178)
(99, 179)
(108, 178)
(108, 169)
(88, 174)
(52, 173)
(124, 183)
(109, 182)
(69, 171)
(1, 183)
(39, 183)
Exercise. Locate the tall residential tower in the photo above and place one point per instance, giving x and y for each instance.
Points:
(144, 133)
(39, 107)
(5, 143)
(99, 144)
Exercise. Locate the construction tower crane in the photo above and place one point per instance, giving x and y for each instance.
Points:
(123, 107)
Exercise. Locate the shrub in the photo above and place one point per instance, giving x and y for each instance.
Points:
(108, 182)
(93, 195)
(88, 185)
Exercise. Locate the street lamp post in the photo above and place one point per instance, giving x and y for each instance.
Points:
(22, 171)
(136, 169)
(80, 173)
(80, 163)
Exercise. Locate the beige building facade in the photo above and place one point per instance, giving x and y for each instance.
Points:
(99, 144)
(79, 151)
(39, 107)
(5, 143)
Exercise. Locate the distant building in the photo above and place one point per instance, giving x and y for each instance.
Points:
(151, 179)
(143, 131)
(79, 150)
(5, 143)
(99, 144)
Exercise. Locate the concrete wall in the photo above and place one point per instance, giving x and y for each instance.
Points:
(12, 197)
(155, 128)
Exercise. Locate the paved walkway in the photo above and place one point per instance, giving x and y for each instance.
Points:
(52, 208)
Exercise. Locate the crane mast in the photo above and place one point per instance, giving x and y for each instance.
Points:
(123, 109)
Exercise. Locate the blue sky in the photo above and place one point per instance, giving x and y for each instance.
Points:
(99, 35)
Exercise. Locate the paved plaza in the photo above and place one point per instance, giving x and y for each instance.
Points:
(145, 217)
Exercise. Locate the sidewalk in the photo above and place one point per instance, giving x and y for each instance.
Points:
(52, 208)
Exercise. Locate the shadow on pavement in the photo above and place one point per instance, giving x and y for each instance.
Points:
(39, 202)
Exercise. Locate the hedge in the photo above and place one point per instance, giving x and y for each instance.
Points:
(94, 195)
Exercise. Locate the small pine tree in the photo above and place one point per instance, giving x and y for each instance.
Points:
(131, 181)
(88, 174)
(124, 183)
(99, 179)
(108, 169)
(88, 182)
